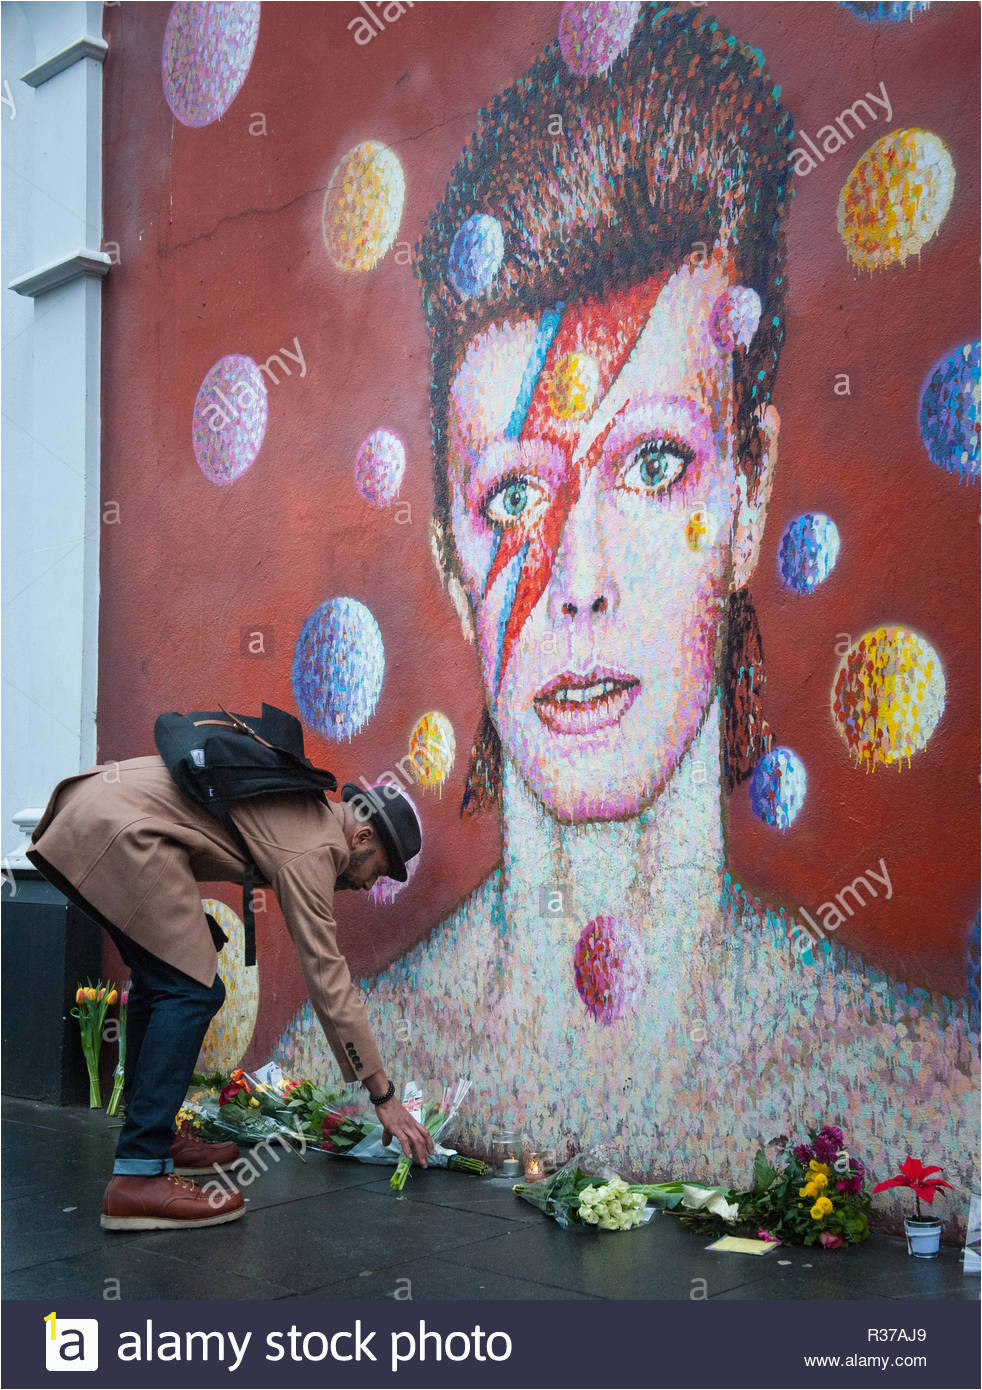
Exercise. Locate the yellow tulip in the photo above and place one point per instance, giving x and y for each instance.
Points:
(112, 997)
(254, 1102)
(821, 1208)
(79, 995)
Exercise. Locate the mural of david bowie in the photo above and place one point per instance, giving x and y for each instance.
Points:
(605, 336)
(122, 843)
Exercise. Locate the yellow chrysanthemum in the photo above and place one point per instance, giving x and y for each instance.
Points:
(810, 1189)
(814, 1167)
(821, 1208)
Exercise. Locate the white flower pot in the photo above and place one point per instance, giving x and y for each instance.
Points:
(923, 1238)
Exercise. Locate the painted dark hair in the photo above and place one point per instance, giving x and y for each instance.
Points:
(681, 144)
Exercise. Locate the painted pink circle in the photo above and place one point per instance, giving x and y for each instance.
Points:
(229, 422)
(207, 53)
(593, 35)
(379, 467)
(607, 966)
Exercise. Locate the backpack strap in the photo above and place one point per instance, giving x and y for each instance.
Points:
(248, 888)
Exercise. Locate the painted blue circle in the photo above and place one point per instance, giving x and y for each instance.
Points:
(808, 551)
(949, 412)
(475, 254)
(777, 788)
(886, 10)
(338, 664)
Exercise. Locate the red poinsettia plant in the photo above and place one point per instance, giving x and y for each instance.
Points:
(914, 1175)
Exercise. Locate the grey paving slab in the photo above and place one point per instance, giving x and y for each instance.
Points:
(37, 1228)
(36, 1159)
(328, 1237)
(660, 1260)
(288, 1178)
(491, 1196)
(880, 1267)
(435, 1278)
(114, 1270)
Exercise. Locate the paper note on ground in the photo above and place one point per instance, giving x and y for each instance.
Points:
(743, 1245)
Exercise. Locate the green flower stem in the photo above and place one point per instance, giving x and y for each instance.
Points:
(118, 1075)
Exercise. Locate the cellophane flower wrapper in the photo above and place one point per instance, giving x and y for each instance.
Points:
(350, 1127)
(242, 1123)
(561, 1196)
(339, 1121)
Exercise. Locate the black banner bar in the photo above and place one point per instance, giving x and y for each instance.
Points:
(706, 1345)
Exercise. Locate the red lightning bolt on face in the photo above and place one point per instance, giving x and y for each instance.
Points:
(608, 332)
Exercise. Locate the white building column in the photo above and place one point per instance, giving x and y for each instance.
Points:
(52, 269)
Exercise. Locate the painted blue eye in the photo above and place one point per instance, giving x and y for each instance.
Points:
(516, 500)
(655, 464)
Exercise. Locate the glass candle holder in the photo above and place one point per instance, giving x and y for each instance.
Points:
(506, 1148)
(537, 1165)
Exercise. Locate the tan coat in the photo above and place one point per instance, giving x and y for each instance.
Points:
(121, 842)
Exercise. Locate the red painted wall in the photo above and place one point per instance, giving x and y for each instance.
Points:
(220, 250)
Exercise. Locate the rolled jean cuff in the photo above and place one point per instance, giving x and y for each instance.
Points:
(142, 1167)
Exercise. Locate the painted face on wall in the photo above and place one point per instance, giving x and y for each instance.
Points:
(600, 520)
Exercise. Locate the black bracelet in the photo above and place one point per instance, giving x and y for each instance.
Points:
(380, 1100)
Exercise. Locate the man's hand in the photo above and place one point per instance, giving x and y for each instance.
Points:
(397, 1123)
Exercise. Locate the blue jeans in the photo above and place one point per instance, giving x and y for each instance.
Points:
(167, 1020)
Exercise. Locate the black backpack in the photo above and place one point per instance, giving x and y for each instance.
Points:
(217, 758)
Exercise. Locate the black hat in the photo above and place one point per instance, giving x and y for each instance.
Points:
(394, 821)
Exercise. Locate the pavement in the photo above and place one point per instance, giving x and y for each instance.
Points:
(331, 1228)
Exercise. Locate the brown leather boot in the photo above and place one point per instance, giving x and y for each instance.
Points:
(163, 1201)
(193, 1157)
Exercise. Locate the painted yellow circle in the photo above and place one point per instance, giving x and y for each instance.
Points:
(432, 750)
(363, 206)
(888, 695)
(574, 385)
(230, 1031)
(700, 530)
(896, 198)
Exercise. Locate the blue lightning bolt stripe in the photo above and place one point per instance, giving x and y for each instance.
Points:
(548, 327)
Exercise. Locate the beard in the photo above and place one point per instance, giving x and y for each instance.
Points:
(344, 880)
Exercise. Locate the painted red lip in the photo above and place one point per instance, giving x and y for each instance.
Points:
(565, 707)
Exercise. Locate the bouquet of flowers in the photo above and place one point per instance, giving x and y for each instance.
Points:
(815, 1198)
(343, 1123)
(587, 1192)
(91, 1003)
(220, 1107)
(254, 1108)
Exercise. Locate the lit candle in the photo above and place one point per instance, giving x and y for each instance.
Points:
(510, 1168)
(533, 1169)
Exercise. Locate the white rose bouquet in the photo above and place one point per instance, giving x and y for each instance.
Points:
(612, 1206)
(587, 1192)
